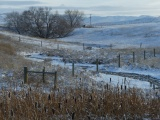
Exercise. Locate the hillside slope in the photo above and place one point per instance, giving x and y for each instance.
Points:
(127, 35)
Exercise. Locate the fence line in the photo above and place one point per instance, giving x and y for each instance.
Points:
(119, 59)
(26, 71)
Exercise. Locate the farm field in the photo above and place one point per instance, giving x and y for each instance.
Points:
(120, 80)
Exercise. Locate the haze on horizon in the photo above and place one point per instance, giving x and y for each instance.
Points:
(94, 7)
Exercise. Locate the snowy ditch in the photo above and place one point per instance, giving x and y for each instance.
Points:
(115, 80)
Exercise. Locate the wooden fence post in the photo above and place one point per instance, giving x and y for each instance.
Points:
(73, 69)
(19, 39)
(41, 43)
(55, 81)
(83, 46)
(97, 61)
(57, 46)
(140, 45)
(25, 75)
(154, 87)
(133, 57)
(119, 61)
(154, 52)
(43, 75)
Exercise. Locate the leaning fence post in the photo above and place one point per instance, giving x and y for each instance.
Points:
(97, 65)
(73, 69)
(55, 81)
(25, 75)
(43, 75)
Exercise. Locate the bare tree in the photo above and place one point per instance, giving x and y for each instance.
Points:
(74, 18)
(13, 21)
(41, 22)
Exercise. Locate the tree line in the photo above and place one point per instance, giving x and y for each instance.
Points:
(42, 22)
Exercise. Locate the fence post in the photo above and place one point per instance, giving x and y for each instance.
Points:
(154, 87)
(144, 54)
(133, 57)
(25, 75)
(55, 81)
(119, 61)
(83, 46)
(140, 45)
(73, 69)
(57, 46)
(154, 52)
(19, 39)
(97, 65)
(41, 43)
(43, 75)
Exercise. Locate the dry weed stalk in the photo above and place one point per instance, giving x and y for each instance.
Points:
(78, 103)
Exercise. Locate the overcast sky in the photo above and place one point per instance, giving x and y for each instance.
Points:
(94, 7)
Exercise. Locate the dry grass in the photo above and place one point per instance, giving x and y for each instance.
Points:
(9, 59)
(6, 48)
(78, 104)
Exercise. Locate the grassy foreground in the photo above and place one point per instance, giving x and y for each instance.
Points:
(78, 104)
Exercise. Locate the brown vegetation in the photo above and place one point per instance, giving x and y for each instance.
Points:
(9, 59)
(78, 104)
(7, 48)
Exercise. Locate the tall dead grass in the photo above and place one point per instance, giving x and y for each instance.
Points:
(9, 59)
(78, 104)
(6, 48)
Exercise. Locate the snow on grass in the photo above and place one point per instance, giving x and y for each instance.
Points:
(104, 77)
(126, 69)
(45, 43)
(118, 81)
(121, 36)
(138, 70)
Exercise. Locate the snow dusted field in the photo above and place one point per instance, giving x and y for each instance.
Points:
(87, 89)
(127, 36)
(120, 36)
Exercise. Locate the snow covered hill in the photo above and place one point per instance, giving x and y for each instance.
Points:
(120, 36)
(98, 19)
(118, 31)
(119, 20)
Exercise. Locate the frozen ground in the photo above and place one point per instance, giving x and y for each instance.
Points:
(126, 69)
(101, 77)
(119, 36)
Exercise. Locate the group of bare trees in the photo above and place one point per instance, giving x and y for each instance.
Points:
(41, 22)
